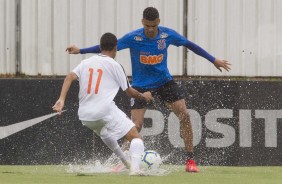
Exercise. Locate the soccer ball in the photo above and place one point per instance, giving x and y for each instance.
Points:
(150, 160)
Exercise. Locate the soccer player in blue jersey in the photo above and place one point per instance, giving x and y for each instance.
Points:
(148, 50)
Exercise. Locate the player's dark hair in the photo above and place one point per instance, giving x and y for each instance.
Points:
(150, 13)
(108, 41)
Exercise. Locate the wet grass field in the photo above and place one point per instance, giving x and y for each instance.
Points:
(174, 174)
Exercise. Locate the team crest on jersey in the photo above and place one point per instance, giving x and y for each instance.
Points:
(138, 38)
(161, 44)
(164, 35)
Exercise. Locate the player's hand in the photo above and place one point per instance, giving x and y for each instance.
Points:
(148, 96)
(73, 49)
(58, 107)
(222, 64)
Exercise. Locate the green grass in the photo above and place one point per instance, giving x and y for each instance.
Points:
(208, 175)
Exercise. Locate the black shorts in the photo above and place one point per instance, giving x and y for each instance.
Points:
(169, 92)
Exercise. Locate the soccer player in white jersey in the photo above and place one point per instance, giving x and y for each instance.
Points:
(100, 78)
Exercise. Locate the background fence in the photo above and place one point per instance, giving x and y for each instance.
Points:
(248, 33)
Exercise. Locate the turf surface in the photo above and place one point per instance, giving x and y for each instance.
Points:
(208, 175)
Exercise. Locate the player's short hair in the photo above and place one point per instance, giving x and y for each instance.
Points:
(150, 13)
(108, 41)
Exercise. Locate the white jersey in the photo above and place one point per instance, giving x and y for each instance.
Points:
(100, 78)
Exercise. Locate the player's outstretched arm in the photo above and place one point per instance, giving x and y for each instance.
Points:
(72, 49)
(222, 64)
(59, 105)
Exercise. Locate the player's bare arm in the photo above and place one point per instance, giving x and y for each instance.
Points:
(222, 64)
(72, 49)
(59, 105)
(147, 96)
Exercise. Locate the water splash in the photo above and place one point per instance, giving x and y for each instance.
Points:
(89, 168)
(98, 167)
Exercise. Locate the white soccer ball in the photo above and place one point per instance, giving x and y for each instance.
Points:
(150, 160)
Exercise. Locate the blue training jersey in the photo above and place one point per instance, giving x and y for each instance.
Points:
(149, 55)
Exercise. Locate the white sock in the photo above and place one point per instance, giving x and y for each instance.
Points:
(113, 145)
(136, 149)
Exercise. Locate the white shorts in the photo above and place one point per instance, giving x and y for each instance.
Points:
(115, 124)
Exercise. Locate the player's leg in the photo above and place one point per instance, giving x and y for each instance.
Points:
(114, 146)
(173, 95)
(119, 126)
(137, 116)
(136, 149)
(138, 109)
(100, 128)
(180, 110)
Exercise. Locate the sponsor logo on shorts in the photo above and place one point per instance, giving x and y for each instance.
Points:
(151, 60)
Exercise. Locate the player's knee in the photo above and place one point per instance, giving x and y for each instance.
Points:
(138, 127)
(138, 124)
(133, 133)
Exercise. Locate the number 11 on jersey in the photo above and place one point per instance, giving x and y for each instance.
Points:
(100, 73)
